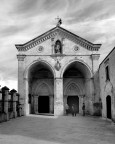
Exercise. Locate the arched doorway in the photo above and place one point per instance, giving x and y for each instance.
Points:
(73, 100)
(43, 104)
(41, 89)
(78, 86)
(108, 106)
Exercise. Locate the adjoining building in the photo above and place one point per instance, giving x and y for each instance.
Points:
(55, 69)
(107, 85)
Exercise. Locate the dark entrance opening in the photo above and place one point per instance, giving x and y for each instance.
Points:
(108, 105)
(41, 82)
(73, 100)
(43, 104)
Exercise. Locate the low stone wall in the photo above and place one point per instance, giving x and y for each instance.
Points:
(9, 104)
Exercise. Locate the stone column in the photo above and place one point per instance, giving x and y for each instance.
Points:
(21, 84)
(5, 94)
(25, 104)
(91, 96)
(32, 104)
(19, 106)
(65, 102)
(95, 62)
(36, 104)
(13, 95)
(58, 97)
(51, 104)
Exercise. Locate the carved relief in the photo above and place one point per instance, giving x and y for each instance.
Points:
(57, 65)
(40, 49)
(75, 48)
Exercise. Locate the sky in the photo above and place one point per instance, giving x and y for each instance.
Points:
(23, 20)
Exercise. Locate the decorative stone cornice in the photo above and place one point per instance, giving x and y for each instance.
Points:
(58, 31)
(95, 56)
(21, 57)
(57, 56)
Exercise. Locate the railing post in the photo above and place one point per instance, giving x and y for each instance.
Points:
(5, 94)
(13, 95)
(19, 106)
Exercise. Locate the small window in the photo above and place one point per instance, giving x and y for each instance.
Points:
(107, 73)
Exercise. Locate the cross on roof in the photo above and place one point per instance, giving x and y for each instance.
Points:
(59, 21)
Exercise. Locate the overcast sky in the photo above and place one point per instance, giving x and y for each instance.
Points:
(22, 20)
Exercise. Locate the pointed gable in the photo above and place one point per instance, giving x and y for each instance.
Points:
(58, 31)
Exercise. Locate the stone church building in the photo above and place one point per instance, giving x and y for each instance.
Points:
(55, 69)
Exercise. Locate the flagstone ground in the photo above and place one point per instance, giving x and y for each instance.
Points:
(57, 130)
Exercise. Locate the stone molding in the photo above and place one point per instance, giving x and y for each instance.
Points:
(64, 34)
(57, 56)
(21, 57)
(95, 56)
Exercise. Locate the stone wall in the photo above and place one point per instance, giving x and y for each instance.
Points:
(9, 104)
(107, 86)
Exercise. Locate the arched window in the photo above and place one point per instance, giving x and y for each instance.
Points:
(58, 47)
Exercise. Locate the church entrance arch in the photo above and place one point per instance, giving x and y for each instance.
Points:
(77, 84)
(41, 88)
(108, 106)
(71, 92)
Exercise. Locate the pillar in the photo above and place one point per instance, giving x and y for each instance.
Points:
(18, 105)
(32, 104)
(65, 102)
(5, 94)
(36, 98)
(51, 104)
(13, 95)
(25, 99)
(21, 86)
(91, 96)
(58, 99)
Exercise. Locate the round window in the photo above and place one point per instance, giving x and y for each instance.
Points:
(76, 48)
(40, 49)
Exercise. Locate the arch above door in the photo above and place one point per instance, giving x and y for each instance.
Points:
(72, 88)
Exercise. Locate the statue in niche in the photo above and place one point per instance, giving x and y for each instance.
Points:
(58, 47)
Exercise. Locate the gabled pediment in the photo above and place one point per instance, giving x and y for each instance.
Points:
(63, 33)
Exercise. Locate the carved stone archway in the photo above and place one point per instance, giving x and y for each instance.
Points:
(40, 87)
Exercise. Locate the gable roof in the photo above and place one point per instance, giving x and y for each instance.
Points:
(61, 31)
(106, 57)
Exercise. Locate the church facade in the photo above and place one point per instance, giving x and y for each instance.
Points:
(55, 69)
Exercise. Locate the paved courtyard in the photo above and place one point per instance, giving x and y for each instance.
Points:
(57, 130)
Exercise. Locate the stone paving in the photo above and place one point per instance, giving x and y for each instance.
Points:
(57, 130)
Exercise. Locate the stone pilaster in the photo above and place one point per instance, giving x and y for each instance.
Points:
(21, 81)
(92, 96)
(36, 104)
(32, 104)
(58, 97)
(25, 98)
(13, 95)
(65, 102)
(5, 94)
(51, 104)
(95, 62)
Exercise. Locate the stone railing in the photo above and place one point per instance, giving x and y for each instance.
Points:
(9, 104)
